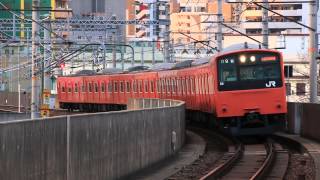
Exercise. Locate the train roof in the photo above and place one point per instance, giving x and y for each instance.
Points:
(242, 46)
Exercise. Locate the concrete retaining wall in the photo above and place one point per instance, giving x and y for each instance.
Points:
(91, 146)
(304, 119)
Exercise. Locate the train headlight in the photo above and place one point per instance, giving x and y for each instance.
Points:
(242, 58)
(252, 58)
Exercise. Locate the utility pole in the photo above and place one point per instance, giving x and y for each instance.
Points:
(35, 81)
(167, 36)
(114, 54)
(219, 30)
(153, 53)
(47, 57)
(19, 86)
(265, 29)
(313, 50)
(142, 54)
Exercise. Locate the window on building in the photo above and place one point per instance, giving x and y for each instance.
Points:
(98, 6)
(63, 89)
(135, 86)
(288, 71)
(301, 89)
(288, 88)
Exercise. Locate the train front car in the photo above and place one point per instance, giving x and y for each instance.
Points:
(251, 95)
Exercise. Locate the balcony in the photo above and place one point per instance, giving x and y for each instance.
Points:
(63, 13)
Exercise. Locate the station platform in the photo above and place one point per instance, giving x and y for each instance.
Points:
(313, 147)
(194, 147)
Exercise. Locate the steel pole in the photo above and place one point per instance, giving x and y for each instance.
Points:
(35, 82)
(219, 30)
(47, 57)
(265, 29)
(313, 51)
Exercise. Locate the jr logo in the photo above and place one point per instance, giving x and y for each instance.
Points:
(271, 84)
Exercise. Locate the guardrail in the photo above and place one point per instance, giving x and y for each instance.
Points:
(107, 145)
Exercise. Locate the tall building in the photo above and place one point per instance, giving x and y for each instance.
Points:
(190, 17)
(145, 10)
(250, 16)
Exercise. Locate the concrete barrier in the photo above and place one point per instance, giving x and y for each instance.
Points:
(91, 146)
(303, 119)
(8, 116)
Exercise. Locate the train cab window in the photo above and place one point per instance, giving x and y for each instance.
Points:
(140, 86)
(135, 86)
(96, 87)
(102, 87)
(249, 71)
(121, 86)
(146, 86)
(90, 87)
(115, 86)
(151, 86)
(76, 87)
(128, 86)
(110, 87)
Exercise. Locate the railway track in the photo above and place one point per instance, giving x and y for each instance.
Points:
(251, 161)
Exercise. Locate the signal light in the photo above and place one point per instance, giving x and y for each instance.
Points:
(62, 65)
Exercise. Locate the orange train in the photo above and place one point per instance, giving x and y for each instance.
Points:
(242, 88)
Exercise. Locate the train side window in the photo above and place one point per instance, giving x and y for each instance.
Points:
(178, 86)
(90, 87)
(188, 85)
(146, 86)
(110, 87)
(121, 86)
(183, 86)
(191, 85)
(96, 87)
(76, 87)
(115, 86)
(151, 86)
(83, 88)
(158, 86)
(128, 87)
(173, 83)
(102, 87)
(140, 86)
(168, 86)
(163, 84)
(135, 86)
